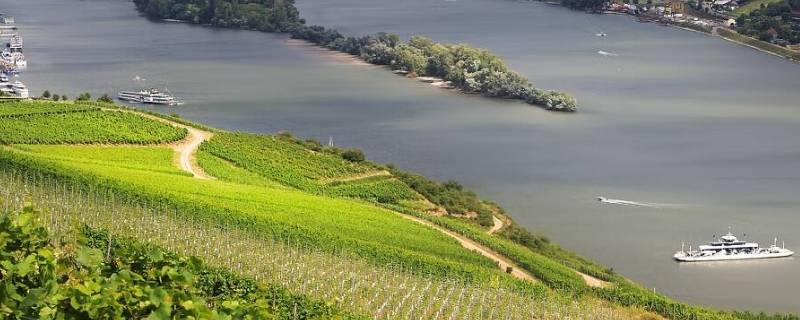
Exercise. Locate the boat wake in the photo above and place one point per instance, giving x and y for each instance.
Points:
(607, 54)
(636, 204)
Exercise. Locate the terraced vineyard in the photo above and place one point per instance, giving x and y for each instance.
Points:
(329, 224)
(21, 108)
(289, 162)
(389, 292)
(59, 123)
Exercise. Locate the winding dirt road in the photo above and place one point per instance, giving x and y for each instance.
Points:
(185, 149)
(471, 245)
(498, 224)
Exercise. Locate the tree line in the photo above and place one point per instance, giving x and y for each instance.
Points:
(777, 17)
(261, 15)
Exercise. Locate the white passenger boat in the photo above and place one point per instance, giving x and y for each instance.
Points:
(731, 248)
(148, 96)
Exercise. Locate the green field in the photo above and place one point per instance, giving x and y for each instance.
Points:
(11, 109)
(82, 126)
(295, 164)
(335, 224)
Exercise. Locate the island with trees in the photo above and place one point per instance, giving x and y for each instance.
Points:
(469, 69)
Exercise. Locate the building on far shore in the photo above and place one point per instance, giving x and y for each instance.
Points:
(675, 6)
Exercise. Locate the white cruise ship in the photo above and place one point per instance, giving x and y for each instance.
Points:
(731, 248)
(148, 96)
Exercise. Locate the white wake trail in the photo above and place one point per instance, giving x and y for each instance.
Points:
(637, 204)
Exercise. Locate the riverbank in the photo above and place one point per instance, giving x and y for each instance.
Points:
(759, 45)
(712, 28)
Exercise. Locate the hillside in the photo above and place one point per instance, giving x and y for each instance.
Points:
(291, 214)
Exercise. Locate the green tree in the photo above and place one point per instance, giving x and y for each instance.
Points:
(354, 155)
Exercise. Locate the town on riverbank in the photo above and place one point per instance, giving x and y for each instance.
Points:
(772, 26)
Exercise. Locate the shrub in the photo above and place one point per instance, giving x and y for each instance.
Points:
(354, 155)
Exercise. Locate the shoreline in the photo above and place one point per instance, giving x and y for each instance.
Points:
(332, 55)
(714, 33)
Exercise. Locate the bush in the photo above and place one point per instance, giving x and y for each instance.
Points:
(105, 98)
(354, 155)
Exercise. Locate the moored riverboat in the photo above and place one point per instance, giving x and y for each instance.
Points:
(148, 96)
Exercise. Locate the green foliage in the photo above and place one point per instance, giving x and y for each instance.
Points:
(10, 109)
(105, 99)
(543, 246)
(381, 190)
(555, 275)
(328, 224)
(583, 4)
(86, 127)
(281, 158)
(220, 288)
(467, 68)
(269, 16)
(73, 281)
(354, 155)
(84, 97)
(449, 195)
(774, 19)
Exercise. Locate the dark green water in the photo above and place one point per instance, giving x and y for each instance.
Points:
(676, 118)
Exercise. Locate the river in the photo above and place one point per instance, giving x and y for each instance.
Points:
(702, 126)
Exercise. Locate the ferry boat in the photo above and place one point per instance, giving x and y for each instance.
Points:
(148, 96)
(731, 248)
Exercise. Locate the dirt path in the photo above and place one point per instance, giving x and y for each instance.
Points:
(187, 148)
(468, 244)
(366, 175)
(184, 149)
(498, 224)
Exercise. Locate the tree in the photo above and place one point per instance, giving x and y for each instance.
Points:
(84, 97)
(56, 97)
(410, 59)
(354, 155)
(46, 94)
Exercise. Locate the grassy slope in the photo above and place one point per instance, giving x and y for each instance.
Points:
(33, 122)
(291, 163)
(334, 220)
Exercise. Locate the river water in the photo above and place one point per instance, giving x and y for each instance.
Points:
(705, 129)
